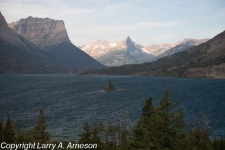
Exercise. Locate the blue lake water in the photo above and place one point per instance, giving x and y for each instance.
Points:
(68, 100)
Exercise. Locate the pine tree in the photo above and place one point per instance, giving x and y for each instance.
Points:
(1, 132)
(21, 136)
(222, 145)
(8, 132)
(106, 139)
(195, 137)
(110, 87)
(96, 138)
(160, 127)
(86, 135)
(199, 138)
(147, 109)
(169, 124)
(122, 133)
(206, 143)
(112, 132)
(39, 132)
(141, 133)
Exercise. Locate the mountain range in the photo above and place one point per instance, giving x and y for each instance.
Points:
(128, 52)
(40, 45)
(118, 53)
(206, 60)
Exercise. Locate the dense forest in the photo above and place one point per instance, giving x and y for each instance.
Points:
(160, 127)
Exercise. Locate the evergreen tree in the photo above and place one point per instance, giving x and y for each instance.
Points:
(199, 138)
(8, 132)
(106, 139)
(147, 109)
(219, 144)
(122, 131)
(112, 132)
(222, 143)
(86, 135)
(169, 124)
(110, 84)
(194, 141)
(39, 132)
(206, 143)
(110, 87)
(96, 138)
(21, 136)
(160, 127)
(141, 133)
(1, 132)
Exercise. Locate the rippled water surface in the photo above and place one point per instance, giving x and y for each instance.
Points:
(68, 101)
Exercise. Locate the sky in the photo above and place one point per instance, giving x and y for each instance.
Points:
(145, 21)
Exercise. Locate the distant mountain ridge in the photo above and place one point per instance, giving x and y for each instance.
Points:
(51, 36)
(128, 52)
(206, 60)
(117, 53)
(182, 46)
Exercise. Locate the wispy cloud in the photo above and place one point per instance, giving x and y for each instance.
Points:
(148, 21)
(18, 10)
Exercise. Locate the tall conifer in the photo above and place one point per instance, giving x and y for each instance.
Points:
(8, 132)
(1, 132)
(160, 127)
(40, 133)
(86, 135)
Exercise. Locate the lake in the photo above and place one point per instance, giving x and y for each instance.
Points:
(69, 100)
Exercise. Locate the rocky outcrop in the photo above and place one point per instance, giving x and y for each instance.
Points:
(42, 32)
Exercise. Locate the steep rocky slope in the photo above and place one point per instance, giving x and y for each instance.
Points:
(51, 36)
(18, 55)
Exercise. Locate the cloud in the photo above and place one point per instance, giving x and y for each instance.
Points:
(16, 10)
(115, 29)
(118, 32)
(88, 20)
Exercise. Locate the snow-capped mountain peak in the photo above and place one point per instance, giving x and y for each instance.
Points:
(118, 53)
(127, 51)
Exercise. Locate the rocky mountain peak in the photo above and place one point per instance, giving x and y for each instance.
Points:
(128, 40)
(43, 32)
(3, 22)
(9, 37)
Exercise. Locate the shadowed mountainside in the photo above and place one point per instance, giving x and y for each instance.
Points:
(18, 55)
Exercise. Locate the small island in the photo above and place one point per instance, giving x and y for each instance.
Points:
(110, 87)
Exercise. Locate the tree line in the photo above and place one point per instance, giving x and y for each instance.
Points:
(160, 127)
